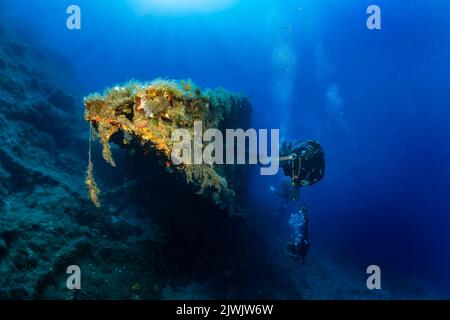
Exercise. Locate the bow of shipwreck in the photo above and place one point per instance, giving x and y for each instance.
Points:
(143, 116)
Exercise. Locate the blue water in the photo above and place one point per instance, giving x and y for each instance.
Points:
(377, 100)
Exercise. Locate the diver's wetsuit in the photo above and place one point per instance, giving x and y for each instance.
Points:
(303, 161)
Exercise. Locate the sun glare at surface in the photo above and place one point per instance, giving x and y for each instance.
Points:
(181, 6)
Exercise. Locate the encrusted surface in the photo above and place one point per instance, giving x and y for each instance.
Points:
(148, 113)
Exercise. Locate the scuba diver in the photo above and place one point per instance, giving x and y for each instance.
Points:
(304, 163)
(299, 246)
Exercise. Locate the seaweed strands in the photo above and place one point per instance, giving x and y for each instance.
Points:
(92, 187)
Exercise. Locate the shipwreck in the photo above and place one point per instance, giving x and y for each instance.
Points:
(143, 116)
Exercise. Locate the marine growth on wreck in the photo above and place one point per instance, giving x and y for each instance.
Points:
(146, 114)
